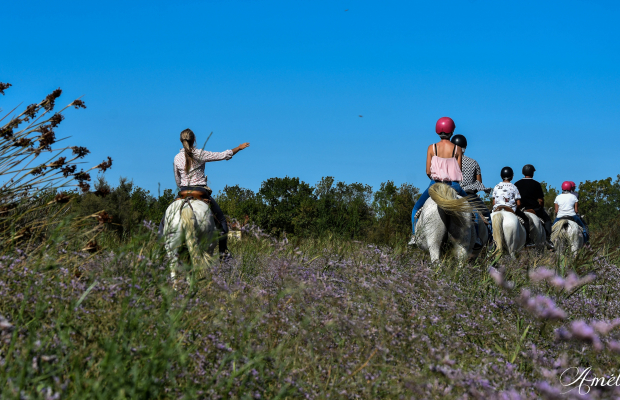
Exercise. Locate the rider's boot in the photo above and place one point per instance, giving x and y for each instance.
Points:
(414, 222)
(223, 248)
(549, 244)
(478, 243)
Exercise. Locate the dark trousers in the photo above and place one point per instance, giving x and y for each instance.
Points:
(526, 223)
(546, 219)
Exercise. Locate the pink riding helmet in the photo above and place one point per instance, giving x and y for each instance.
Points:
(567, 185)
(445, 125)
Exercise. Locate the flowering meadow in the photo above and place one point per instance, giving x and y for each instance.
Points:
(88, 313)
(305, 319)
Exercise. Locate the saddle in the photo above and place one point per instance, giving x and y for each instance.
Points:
(529, 210)
(196, 194)
(509, 209)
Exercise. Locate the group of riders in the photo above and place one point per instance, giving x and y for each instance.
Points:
(447, 164)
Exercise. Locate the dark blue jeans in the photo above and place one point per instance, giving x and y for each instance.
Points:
(418, 204)
(577, 219)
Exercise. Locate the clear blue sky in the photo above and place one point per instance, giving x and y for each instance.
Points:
(526, 82)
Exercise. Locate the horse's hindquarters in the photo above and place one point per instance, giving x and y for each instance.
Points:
(189, 222)
(508, 232)
(436, 227)
(567, 232)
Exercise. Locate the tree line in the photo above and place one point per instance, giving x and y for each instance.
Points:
(293, 207)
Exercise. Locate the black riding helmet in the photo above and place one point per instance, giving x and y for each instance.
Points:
(528, 170)
(459, 140)
(507, 173)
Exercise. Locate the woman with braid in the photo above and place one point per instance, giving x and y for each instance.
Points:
(189, 173)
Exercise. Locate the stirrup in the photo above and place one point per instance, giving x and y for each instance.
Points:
(412, 242)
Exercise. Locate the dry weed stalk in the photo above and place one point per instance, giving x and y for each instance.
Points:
(33, 171)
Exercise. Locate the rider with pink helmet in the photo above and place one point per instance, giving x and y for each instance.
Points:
(443, 165)
(566, 206)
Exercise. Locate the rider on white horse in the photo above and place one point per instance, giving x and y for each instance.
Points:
(189, 173)
(533, 198)
(566, 205)
(443, 165)
(506, 197)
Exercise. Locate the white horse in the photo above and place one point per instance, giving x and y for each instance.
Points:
(538, 235)
(447, 218)
(567, 232)
(508, 233)
(191, 222)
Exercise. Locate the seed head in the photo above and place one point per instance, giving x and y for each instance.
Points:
(78, 104)
(105, 165)
(47, 138)
(49, 101)
(31, 111)
(56, 119)
(62, 198)
(81, 176)
(3, 87)
(23, 142)
(68, 170)
(80, 151)
(84, 186)
(58, 163)
(6, 132)
(38, 170)
(103, 218)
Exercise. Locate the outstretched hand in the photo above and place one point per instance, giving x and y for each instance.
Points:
(241, 147)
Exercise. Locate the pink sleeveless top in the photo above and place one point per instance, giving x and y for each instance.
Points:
(445, 169)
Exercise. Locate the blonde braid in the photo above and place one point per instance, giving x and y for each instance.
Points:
(188, 138)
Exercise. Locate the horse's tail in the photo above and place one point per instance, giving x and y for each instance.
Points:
(446, 199)
(189, 228)
(498, 232)
(559, 230)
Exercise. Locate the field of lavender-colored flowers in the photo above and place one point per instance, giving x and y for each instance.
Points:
(305, 319)
(85, 314)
